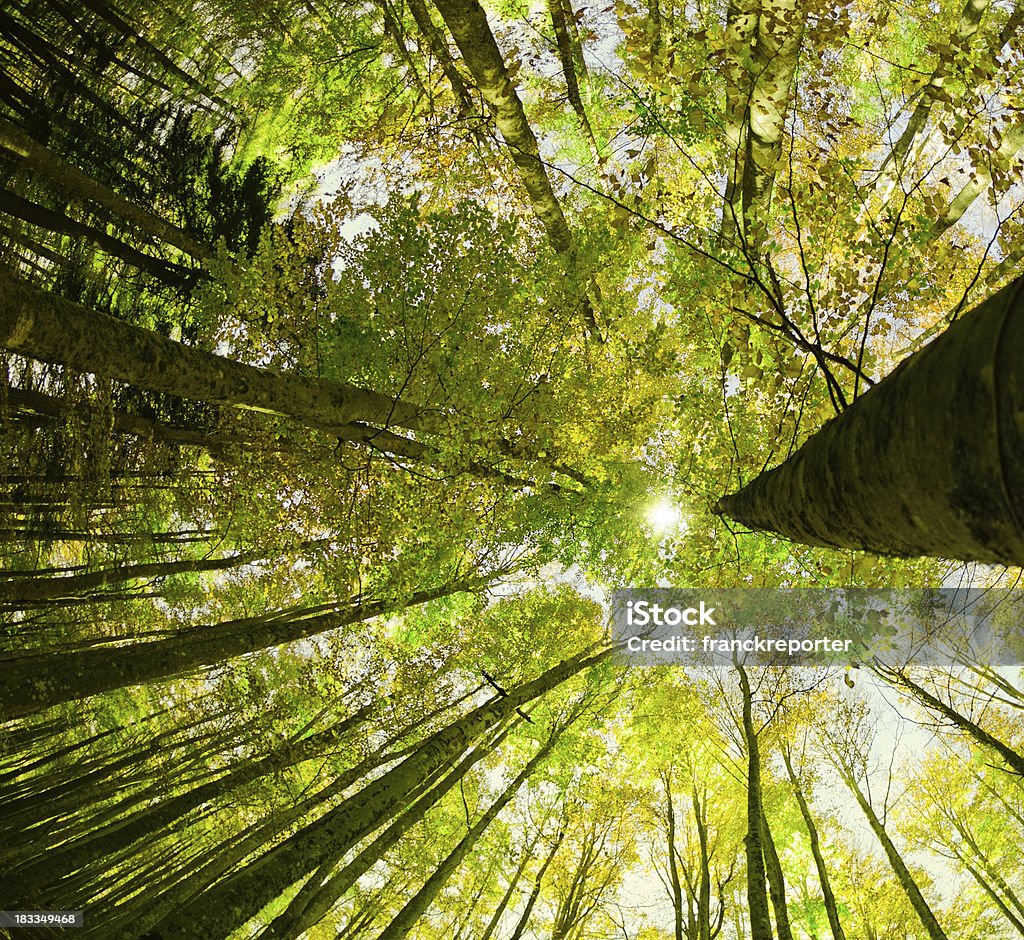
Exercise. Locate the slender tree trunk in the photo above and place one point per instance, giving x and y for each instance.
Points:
(930, 461)
(531, 902)
(757, 894)
(700, 810)
(831, 908)
(740, 32)
(157, 818)
(416, 907)
(45, 163)
(28, 211)
(316, 898)
(513, 883)
(981, 177)
(915, 133)
(559, 22)
(468, 25)
(46, 589)
(901, 679)
(439, 48)
(776, 882)
(899, 868)
(674, 881)
(776, 51)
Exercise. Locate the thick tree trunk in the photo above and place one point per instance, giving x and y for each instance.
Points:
(51, 329)
(930, 461)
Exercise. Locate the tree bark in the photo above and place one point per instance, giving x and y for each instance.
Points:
(439, 48)
(930, 461)
(316, 898)
(915, 133)
(757, 894)
(33, 684)
(51, 329)
(49, 219)
(780, 29)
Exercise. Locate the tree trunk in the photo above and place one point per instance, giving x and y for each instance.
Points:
(226, 906)
(524, 918)
(53, 221)
(406, 919)
(46, 589)
(316, 898)
(468, 25)
(780, 29)
(154, 820)
(831, 909)
(51, 329)
(32, 684)
(675, 883)
(513, 883)
(900, 679)
(61, 174)
(757, 894)
(439, 47)
(899, 868)
(776, 882)
(914, 135)
(930, 461)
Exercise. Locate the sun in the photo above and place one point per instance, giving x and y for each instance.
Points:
(664, 516)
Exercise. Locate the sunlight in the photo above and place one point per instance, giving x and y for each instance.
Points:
(664, 516)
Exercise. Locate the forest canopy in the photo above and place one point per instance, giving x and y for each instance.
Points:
(354, 355)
